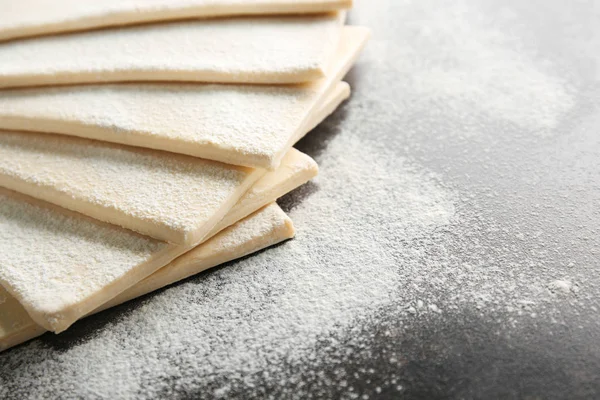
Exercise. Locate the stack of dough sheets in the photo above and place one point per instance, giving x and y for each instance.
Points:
(144, 142)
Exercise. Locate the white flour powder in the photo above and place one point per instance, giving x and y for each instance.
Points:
(378, 231)
(452, 57)
(243, 319)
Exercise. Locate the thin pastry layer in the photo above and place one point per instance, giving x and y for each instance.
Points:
(262, 229)
(171, 197)
(249, 125)
(25, 18)
(71, 286)
(60, 265)
(267, 50)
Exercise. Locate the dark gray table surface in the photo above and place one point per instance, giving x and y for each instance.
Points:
(495, 106)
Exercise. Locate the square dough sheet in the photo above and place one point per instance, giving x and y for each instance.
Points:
(41, 17)
(171, 197)
(295, 170)
(249, 125)
(83, 262)
(262, 229)
(271, 50)
(61, 265)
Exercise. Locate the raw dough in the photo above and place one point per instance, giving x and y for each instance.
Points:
(244, 50)
(61, 265)
(246, 125)
(296, 170)
(262, 229)
(166, 196)
(36, 17)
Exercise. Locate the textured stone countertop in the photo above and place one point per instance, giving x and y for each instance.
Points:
(448, 249)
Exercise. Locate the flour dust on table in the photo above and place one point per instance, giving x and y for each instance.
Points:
(248, 318)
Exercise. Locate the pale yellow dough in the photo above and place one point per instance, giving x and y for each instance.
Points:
(271, 50)
(295, 170)
(170, 197)
(41, 17)
(71, 285)
(249, 125)
(175, 198)
(262, 229)
(61, 265)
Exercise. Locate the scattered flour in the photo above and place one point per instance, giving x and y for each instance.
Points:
(455, 58)
(488, 77)
(561, 286)
(424, 249)
(250, 317)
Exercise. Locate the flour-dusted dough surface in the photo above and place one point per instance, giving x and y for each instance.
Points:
(247, 125)
(61, 265)
(167, 196)
(262, 229)
(16, 326)
(38, 17)
(170, 197)
(243, 50)
(296, 169)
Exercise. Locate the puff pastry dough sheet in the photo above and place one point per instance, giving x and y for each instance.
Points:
(262, 229)
(167, 196)
(270, 50)
(61, 265)
(170, 197)
(40, 17)
(295, 170)
(56, 257)
(248, 125)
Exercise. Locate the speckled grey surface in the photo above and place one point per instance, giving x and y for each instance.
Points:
(459, 186)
